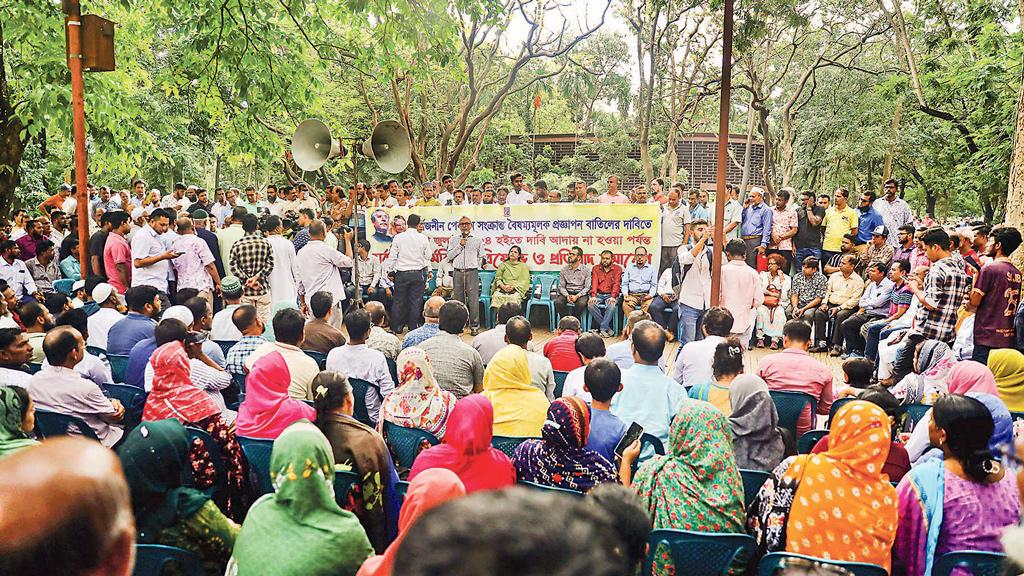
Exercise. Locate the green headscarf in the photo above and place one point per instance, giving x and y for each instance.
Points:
(155, 460)
(300, 530)
(12, 438)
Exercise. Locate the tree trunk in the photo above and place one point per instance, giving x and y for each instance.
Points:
(887, 168)
(746, 148)
(12, 144)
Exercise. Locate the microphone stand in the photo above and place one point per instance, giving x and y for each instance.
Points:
(358, 304)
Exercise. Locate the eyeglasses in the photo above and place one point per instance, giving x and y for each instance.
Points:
(865, 199)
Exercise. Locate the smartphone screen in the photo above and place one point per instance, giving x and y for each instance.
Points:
(632, 435)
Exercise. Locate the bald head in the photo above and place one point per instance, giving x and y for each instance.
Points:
(63, 346)
(65, 509)
(648, 342)
(376, 311)
(432, 308)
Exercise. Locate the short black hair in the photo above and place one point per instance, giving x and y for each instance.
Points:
(159, 213)
(77, 319)
(728, 358)
(170, 330)
(858, 372)
(357, 323)
(238, 213)
(138, 296)
(55, 302)
(648, 341)
(908, 228)
(903, 265)
(518, 330)
(413, 220)
(452, 317)
(508, 310)
(718, 321)
(31, 312)
(307, 212)
(8, 336)
(629, 517)
(198, 306)
(185, 294)
(289, 326)
(590, 346)
(116, 218)
(244, 316)
(881, 396)
(602, 378)
(59, 343)
(320, 304)
(569, 323)
(797, 331)
(811, 262)
(270, 224)
(736, 247)
(43, 246)
(880, 266)
(249, 223)
(1007, 237)
(936, 236)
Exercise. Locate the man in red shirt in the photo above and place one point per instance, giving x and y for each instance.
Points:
(605, 284)
(561, 350)
(117, 253)
(29, 243)
(56, 201)
(996, 295)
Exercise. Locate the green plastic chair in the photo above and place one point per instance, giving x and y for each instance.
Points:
(52, 424)
(778, 560)
(836, 405)
(133, 399)
(360, 411)
(976, 563)
(752, 482)
(701, 554)
(486, 281)
(560, 382)
(118, 365)
(545, 281)
(405, 442)
(257, 453)
(64, 286)
(508, 444)
(344, 481)
(553, 489)
(809, 439)
(153, 559)
(790, 405)
(915, 412)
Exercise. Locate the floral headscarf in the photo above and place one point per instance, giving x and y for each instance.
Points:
(418, 402)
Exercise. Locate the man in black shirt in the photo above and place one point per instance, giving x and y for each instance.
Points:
(96, 243)
(808, 220)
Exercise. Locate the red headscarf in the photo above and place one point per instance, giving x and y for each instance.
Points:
(267, 409)
(466, 448)
(174, 395)
(429, 490)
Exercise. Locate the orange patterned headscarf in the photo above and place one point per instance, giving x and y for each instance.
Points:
(845, 508)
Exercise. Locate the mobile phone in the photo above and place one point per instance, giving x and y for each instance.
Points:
(197, 337)
(632, 435)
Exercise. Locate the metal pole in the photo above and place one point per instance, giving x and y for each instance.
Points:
(355, 229)
(722, 194)
(74, 23)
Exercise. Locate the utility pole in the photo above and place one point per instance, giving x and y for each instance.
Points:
(73, 21)
(722, 194)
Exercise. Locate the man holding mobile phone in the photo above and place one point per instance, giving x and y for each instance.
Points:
(150, 258)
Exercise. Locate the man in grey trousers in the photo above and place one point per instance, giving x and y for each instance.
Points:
(466, 252)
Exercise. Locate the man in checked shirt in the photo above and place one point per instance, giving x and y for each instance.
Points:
(252, 259)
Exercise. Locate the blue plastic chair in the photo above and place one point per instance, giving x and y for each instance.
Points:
(401, 488)
(360, 412)
(405, 442)
(486, 281)
(34, 367)
(560, 383)
(976, 563)
(790, 405)
(344, 481)
(752, 482)
(52, 424)
(586, 320)
(220, 468)
(508, 444)
(118, 365)
(836, 405)
(153, 559)
(915, 412)
(553, 489)
(806, 442)
(133, 399)
(701, 554)
(321, 359)
(545, 281)
(63, 286)
(431, 285)
(778, 560)
(393, 370)
(225, 345)
(257, 452)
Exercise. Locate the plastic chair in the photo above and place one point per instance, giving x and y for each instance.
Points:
(220, 469)
(545, 282)
(153, 559)
(586, 320)
(702, 554)
(63, 286)
(836, 405)
(405, 442)
(225, 345)
(915, 411)
(486, 281)
(560, 382)
(976, 563)
(393, 370)
(344, 481)
(554, 489)
(133, 399)
(778, 560)
(34, 367)
(1014, 416)
(257, 452)
(50, 424)
(508, 444)
(96, 351)
(118, 365)
(431, 285)
(752, 482)
(321, 359)
(401, 488)
(806, 442)
(790, 405)
(360, 412)
(652, 441)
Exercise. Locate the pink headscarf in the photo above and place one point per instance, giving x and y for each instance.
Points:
(267, 409)
(174, 395)
(970, 376)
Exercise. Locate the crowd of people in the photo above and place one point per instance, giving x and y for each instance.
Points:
(236, 319)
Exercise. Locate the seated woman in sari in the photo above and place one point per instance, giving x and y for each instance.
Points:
(933, 361)
(511, 280)
(963, 501)
(268, 409)
(466, 449)
(771, 315)
(1007, 366)
(17, 419)
(418, 402)
(174, 396)
(726, 367)
(560, 457)
(360, 449)
(838, 503)
(697, 486)
(429, 490)
(154, 457)
(299, 530)
(756, 438)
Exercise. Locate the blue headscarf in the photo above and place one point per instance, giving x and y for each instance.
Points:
(1002, 435)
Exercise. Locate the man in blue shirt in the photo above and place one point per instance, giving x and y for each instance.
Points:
(867, 220)
(639, 283)
(602, 379)
(648, 396)
(143, 305)
(757, 225)
(697, 210)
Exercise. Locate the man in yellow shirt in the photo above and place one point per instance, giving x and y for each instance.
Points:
(428, 196)
(839, 221)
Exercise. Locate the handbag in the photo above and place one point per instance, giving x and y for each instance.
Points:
(772, 295)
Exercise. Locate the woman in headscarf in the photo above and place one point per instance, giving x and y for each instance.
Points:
(466, 449)
(756, 438)
(174, 396)
(418, 402)
(154, 457)
(267, 409)
(519, 407)
(511, 280)
(17, 419)
(560, 457)
(1007, 366)
(726, 367)
(429, 490)
(697, 486)
(963, 501)
(933, 361)
(360, 449)
(299, 530)
(837, 504)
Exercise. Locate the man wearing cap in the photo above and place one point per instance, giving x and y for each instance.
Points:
(878, 249)
(223, 328)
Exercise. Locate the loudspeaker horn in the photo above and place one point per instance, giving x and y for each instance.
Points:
(313, 146)
(389, 146)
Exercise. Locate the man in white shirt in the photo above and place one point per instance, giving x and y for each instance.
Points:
(409, 257)
(15, 352)
(518, 196)
(612, 196)
(675, 228)
(693, 363)
(320, 270)
(224, 329)
(491, 341)
(150, 259)
(357, 360)
(282, 277)
(108, 315)
(448, 191)
(289, 326)
(176, 199)
(14, 271)
(695, 288)
(589, 346)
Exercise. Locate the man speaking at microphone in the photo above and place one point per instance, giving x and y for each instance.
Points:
(465, 252)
